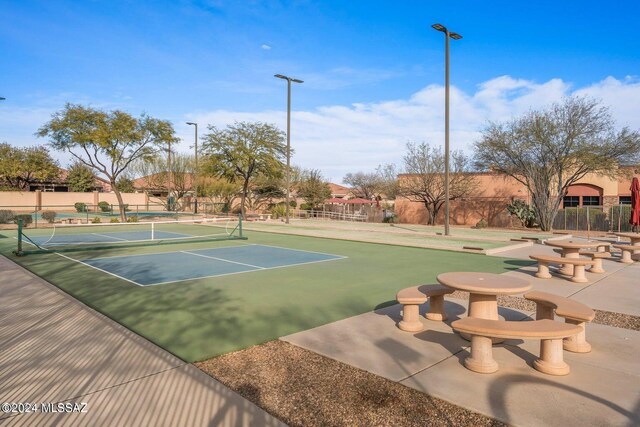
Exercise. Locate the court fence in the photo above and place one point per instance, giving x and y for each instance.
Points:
(337, 216)
(594, 218)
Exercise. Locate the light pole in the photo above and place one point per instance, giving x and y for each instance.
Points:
(195, 174)
(289, 80)
(455, 36)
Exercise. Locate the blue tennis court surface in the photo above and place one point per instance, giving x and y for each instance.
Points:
(161, 268)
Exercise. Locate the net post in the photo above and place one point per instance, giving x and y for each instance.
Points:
(240, 225)
(153, 231)
(19, 250)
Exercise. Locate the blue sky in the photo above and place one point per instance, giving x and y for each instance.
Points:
(373, 70)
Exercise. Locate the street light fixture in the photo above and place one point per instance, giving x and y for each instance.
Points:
(195, 174)
(455, 36)
(289, 80)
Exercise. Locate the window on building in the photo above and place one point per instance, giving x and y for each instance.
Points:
(571, 201)
(590, 200)
(625, 200)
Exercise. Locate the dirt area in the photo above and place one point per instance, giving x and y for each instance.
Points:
(303, 388)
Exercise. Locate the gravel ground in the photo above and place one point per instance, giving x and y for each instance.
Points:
(303, 388)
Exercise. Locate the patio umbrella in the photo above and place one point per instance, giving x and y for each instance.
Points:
(635, 205)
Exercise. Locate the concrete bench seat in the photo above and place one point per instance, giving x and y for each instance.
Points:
(627, 251)
(596, 256)
(412, 298)
(579, 265)
(549, 333)
(572, 311)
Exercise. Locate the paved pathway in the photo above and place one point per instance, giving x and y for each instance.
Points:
(54, 349)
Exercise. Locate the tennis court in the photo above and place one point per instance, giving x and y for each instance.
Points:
(204, 291)
(172, 267)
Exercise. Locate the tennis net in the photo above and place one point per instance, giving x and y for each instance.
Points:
(77, 237)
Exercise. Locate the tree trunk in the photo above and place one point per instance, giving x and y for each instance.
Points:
(433, 213)
(245, 190)
(123, 214)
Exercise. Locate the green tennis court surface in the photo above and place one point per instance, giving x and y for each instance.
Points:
(201, 317)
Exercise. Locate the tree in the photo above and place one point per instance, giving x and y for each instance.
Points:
(363, 185)
(388, 175)
(175, 178)
(107, 142)
(80, 178)
(551, 149)
(218, 190)
(370, 186)
(313, 188)
(21, 167)
(243, 151)
(424, 179)
(264, 190)
(125, 185)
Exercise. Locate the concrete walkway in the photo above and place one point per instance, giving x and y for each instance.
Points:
(603, 387)
(54, 349)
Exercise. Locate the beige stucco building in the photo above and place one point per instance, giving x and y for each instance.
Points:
(495, 192)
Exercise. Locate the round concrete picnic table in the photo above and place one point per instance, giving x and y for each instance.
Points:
(634, 237)
(571, 249)
(484, 289)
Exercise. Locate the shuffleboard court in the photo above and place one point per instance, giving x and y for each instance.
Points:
(171, 267)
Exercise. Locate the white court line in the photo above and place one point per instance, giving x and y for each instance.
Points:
(222, 259)
(242, 272)
(300, 250)
(107, 236)
(99, 269)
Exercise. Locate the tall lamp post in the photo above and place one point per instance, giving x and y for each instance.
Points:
(455, 36)
(195, 174)
(289, 80)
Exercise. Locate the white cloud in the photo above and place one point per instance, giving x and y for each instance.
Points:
(339, 139)
(265, 47)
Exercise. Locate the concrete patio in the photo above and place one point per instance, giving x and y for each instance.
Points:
(603, 387)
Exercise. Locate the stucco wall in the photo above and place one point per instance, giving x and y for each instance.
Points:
(64, 201)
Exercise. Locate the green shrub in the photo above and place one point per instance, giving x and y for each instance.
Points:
(133, 218)
(6, 216)
(104, 207)
(96, 220)
(482, 224)
(49, 216)
(80, 207)
(278, 211)
(304, 207)
(26, 219)
(293, 203)
(114, 220)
